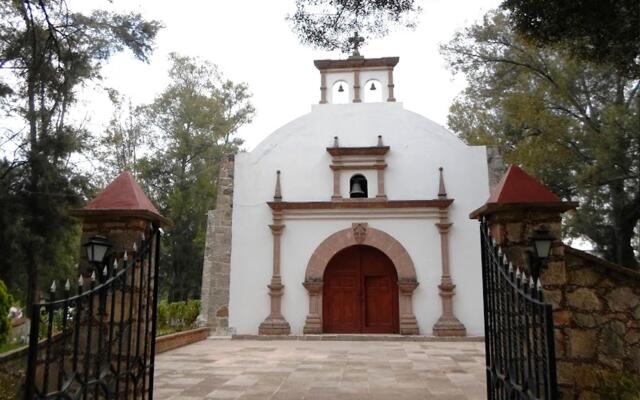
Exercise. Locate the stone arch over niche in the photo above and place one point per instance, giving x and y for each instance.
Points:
(361, 233)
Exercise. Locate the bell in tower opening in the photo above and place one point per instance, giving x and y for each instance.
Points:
(358, 187)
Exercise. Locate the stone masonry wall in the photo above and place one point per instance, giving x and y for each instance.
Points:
(217, 255)
(495, 165)
(596, 303)
(597, 321)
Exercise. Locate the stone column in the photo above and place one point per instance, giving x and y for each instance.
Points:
(313, 323)
(336, 184)
(275, 324)
(356, 86)
(447, 324)
(408, 322)
(381, 191)
(390, 85)
(380, 166)
(216, 267)
(336, 174)
(323, 87)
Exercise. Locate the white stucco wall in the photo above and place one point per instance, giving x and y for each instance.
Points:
(418, 147)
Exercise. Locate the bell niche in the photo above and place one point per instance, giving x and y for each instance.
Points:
(358, 172)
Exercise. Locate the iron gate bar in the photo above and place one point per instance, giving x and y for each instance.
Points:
(94, 369)
(519, 333)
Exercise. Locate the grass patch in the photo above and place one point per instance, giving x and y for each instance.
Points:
(6, 347)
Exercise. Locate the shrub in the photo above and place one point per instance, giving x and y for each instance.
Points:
(6, 300)
(177, 316)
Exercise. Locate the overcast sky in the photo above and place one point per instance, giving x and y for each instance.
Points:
(251, 42)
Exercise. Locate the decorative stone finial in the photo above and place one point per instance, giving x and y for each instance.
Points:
(442, 192)
(335, 142)
(278, 193)
(380, 141)
(356, 41)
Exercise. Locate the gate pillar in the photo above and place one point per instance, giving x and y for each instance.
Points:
(518, 206)
(121, 213)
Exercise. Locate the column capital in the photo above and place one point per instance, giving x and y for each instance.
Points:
(444, 227)
(277, 229)
(313, 287)
(407, 287)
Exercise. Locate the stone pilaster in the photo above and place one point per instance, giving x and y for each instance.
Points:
(214, 310)
(447, 324)
(408, 322)
(390, 85)
(356, 86)
(275, 324)
(313, 323)
(323, 87)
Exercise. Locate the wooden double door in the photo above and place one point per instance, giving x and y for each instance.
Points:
(360, 292)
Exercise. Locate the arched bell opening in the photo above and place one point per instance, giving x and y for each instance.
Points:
(340, 93)
(358, 187)
(372, 91)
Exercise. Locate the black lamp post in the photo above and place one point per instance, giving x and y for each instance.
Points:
(96, 247)
(542, 240)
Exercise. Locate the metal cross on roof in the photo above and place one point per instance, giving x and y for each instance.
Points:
(356, 41)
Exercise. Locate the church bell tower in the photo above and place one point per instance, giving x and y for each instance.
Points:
(356, 79)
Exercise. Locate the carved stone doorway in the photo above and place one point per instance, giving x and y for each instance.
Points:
(360, 292)
(361, 234)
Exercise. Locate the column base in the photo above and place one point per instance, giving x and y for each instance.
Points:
(409, 325)
(274, 326)
(312, 325)
(449, 326)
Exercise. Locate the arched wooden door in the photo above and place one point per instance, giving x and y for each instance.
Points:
(360, 292)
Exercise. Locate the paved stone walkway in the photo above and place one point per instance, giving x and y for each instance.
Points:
(292, 370)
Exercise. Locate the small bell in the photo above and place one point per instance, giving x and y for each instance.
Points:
(356, 190)
(340, 88)
(373, 86)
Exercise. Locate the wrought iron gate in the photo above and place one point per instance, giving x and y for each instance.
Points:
(100, 342)
(519, 338)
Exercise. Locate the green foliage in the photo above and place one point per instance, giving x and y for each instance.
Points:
(619, 386)
(192, 124)
(177, 316)
(6, 301)
(573, 124)
(47, 52)
(56, 323)
(603, 31)
(327, 24)
(121, 145)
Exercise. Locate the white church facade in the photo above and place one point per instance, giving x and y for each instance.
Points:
(352, 218)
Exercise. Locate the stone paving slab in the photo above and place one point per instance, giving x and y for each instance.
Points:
(310, 370)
